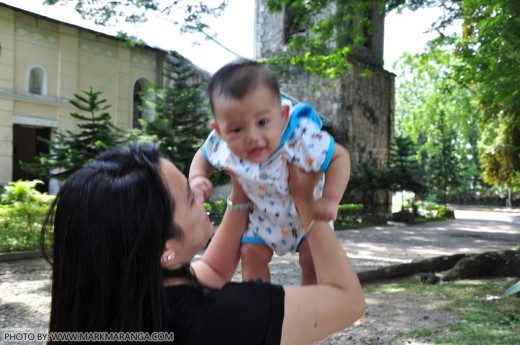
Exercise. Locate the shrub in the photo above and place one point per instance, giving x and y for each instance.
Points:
(348, 214)
(216, 210)
(438, 211)
(22, 212)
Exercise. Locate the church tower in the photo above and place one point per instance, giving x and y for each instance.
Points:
(360, 105)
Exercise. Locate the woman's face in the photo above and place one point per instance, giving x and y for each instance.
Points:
(190, 215)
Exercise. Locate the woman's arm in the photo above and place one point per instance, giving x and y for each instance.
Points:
(220, 260)
(337, 301)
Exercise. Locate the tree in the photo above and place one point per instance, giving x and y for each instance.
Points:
(443, 163)
(403, 173)
(442, 117)
(192, 14)
(367, 179)
(181, 117)
(487, 48)
(69, 151)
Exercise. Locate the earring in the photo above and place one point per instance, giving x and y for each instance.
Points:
(169, 257)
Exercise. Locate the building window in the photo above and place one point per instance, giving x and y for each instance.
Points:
(37, 81)
(140, 109)
(368, 27)
(290, 26)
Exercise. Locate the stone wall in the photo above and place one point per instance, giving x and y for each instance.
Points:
(360, 104)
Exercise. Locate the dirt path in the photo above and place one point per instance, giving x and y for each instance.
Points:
(25, 284)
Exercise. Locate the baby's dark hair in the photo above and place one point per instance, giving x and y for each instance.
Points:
(238, 78)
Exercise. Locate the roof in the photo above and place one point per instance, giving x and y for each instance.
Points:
(325, 121)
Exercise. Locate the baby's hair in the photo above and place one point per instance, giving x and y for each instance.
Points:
(238, 78)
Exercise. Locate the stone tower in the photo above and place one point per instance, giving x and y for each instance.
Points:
(360, 108)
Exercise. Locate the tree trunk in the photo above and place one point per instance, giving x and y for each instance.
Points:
(504, 263)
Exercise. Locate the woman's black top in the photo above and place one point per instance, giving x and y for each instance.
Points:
(240, 313)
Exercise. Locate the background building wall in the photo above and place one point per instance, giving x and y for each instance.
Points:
(74, 60)
(361, 108)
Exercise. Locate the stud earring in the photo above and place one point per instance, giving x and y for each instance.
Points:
(169, 257)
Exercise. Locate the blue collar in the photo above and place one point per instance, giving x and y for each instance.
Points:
(301, 110)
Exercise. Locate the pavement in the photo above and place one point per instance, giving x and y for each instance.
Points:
(25, 283)
(471, 232)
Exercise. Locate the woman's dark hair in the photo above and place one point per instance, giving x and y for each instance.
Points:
(236, 79)
(109, 223)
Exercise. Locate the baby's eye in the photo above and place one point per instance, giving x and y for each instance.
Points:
(263, 122)
(236, 130)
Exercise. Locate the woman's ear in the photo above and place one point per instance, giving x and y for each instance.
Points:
(168, 255)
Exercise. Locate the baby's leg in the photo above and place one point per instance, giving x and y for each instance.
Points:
(255, 260)
(307, 264)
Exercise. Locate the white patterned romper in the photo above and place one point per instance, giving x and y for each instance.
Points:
(274, 220)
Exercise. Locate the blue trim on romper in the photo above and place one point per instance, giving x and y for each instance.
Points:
(252, 240)
(301, 110)
(300, 243)
(206, 154)
(328, 158)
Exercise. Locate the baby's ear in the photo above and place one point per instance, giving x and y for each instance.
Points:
(285, 112)
(214, 125)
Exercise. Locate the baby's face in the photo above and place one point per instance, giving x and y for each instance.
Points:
(252, 126)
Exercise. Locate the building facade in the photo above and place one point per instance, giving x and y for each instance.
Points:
(360, 107)
(43, 63)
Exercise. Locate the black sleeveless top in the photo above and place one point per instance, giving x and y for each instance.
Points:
(240, 313)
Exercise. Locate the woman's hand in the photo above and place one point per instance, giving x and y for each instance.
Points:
(237, 194)
(302, 185)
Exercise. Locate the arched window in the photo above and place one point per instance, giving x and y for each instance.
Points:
(140, 111)
(37, 81)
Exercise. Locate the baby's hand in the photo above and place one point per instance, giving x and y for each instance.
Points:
(325, 209)
(201, 185)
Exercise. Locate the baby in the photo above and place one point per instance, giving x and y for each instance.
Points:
(255, 136)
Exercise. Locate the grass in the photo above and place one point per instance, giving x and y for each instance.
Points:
(486, 316)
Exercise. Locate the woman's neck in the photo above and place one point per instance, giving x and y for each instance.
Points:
(175, 281)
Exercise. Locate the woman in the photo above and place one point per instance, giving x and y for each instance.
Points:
(125, 230)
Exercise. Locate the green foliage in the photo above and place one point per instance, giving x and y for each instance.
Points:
(216, 210)
(330, 39)
(487, 69)
(69, 151)
(181, 117)
(219, 206)
(22, 212)
(441, 117)
(403, 173)
(436, 211)
(192, 15)
(348, 215)
(350, 209)
(24, 192)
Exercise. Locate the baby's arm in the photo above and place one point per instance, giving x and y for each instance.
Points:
(200, 171)
(336, 180)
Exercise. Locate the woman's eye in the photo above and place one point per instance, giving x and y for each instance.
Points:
(263, 122)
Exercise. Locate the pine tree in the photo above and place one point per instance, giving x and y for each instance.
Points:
(404, 173)
(443, 164)
(181, 118)
(69, 151)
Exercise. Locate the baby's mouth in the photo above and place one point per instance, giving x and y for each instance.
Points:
(256, 152)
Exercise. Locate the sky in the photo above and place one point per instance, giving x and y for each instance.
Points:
(404, 32)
